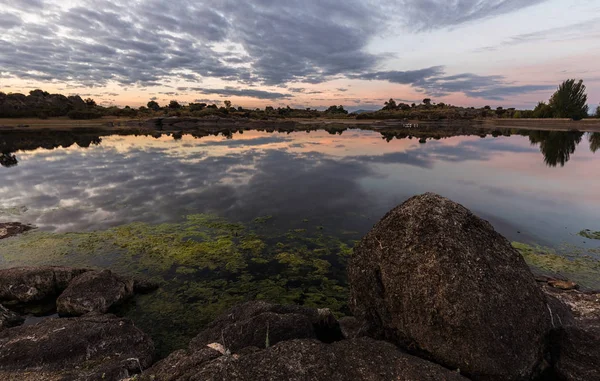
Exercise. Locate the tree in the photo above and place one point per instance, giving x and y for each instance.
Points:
(427, 101)
(390, 105)
(174, 105)
(227, 104)
(487, 108)
(153, 105)
(595, 141)
(598, 112)
(90, 102)
(570, 100)
(542, 110)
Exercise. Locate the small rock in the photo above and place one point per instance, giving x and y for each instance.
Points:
(563, 284)
(94, 291)
(10, 229)
(24, 285)
(351, 327)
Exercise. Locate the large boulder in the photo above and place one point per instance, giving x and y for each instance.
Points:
(258, 324)
(23, 285)
(93, 347)
(440, 282)
(302, 360)
(94, 291)
(9, 318)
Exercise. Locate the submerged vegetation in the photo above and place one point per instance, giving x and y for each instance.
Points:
(206, 264)
(589, 234)
(572, 263)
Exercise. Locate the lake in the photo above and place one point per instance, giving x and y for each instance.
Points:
(274, 215)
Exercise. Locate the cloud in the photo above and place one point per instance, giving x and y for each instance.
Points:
(9, 21)
(259, 94)
(435, 14)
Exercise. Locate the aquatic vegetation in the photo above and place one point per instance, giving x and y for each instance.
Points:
(575, 265)
(205, 263)
(589, 234)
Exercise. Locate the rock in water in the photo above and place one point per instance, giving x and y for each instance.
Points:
(440, 282)
(94, 291)
(93, 347)
(303, 360)
(23, 285)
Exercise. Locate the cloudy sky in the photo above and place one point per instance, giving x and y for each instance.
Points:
(309, 53)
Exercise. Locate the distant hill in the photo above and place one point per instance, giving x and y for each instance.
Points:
(362, 111)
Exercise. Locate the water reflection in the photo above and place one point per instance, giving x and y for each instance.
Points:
(342, 179)
(557, 146)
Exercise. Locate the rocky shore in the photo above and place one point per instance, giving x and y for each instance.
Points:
(436, 294)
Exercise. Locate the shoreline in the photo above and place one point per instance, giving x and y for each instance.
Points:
(123, 124)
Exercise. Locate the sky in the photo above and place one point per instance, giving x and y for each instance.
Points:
(309, 53)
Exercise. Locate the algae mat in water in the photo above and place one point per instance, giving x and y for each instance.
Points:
(206, 264)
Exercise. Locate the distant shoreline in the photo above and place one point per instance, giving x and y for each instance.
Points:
(120, 124)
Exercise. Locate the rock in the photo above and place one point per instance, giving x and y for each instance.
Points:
(92, 347)
(576, 351)
(23, 285)
(10, 229)
(249, 325)
(9, 318)
(563, 285)
(144, 286)
(575, 344)
(351, 327)
(303, 360)
(441, 283)
(94, 291)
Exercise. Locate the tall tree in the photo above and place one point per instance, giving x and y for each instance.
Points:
(390, 105)
(174, 105)
(570, 100)
(153, 105)
(427, 101)
(227, 104)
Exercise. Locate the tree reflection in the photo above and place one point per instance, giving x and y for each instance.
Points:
(8, 160)
(594, 141)
(556, 146)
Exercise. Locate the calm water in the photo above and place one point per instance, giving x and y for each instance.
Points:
(147, 205)
(348, 181)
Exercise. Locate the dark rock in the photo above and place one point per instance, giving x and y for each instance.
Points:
(304, 360)
(351, 327)
(10, 229)
(144, 286)
(94, 291)
(575, 343)
(23, 285)
(441, 283)
(92, 347)
(576, 351)
(247, 325)
(9, 318)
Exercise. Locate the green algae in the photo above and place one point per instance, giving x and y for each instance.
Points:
(206, 264)
(575, 264)
(589, 234)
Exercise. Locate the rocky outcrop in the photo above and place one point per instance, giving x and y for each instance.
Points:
(94, 291)
(10, 229)
(441, 283)
(9, 318)
(23, 285)
(301, 360)
(37, 104)
(259, 324)
(93, 347)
